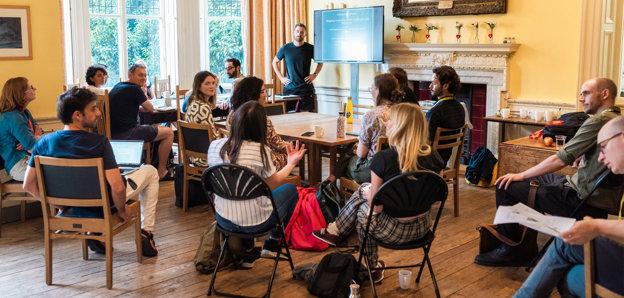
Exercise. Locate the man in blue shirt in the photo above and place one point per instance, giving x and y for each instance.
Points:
(126, 99)
(298, 57)
(77, 109)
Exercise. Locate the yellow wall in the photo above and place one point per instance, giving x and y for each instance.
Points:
(46, 70)
(545, 67)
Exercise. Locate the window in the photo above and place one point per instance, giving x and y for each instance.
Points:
(222, 26)
(118, 33)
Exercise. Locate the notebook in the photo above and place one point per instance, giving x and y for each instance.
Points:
(127, 154)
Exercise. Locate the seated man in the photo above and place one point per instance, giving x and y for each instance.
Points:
(77, 109)
(126, 98)
(566, 252)
(558, 194)
(447, 112)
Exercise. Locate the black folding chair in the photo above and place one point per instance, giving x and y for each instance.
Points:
(234, 182)
(614, 179)
(412, 194)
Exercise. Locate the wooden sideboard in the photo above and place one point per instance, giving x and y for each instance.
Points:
(521, 154)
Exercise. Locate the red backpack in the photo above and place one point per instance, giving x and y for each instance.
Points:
(306, 218)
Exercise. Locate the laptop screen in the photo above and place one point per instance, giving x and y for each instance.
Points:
(127, 153)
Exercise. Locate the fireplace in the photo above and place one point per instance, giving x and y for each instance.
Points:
(483, 70)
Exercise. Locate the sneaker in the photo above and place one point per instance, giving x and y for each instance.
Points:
(147, 244)
(249, 258)
(378, 274)
(326, 237)
(96, 246)
(270, 248)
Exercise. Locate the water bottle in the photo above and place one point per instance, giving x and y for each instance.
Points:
(340, 125)
(355, 291)
(349, 110)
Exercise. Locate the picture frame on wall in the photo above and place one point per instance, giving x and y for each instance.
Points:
(427, 8)
(15, 33)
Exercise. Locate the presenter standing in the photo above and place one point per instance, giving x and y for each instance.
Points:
(298, 57)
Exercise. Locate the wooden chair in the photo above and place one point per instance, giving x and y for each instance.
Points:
(269, 88)
(223, 133)
(413, 194)
(361, 109)
(12, 191)
(272, 109)
(194, 142)
(103, 123)
(451, 139)
(161, 86)
(238, 183)
(69, 86)
(180, 96)
(604, 256)
(81, 183)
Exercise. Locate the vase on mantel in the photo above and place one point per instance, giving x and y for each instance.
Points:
(428, 36)
(491, 35)
(476, 37)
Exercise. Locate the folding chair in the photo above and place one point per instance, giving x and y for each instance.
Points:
(599, 181)
(234, 182)
(412, 194)
(604, 260)
(81, 183)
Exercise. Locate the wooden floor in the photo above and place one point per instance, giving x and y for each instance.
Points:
(172, 273)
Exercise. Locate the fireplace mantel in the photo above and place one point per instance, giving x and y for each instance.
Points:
(475, 64)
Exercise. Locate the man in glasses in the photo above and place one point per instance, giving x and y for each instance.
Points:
(560, 265)
(558, 194)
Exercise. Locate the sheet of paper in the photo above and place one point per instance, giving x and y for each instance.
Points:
(524, 215)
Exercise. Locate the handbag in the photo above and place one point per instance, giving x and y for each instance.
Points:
(490, 238)
(328, 197)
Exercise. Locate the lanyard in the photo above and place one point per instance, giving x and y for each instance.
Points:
(443, 99)
(621, 203)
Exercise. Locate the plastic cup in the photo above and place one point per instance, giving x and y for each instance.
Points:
(405, 279)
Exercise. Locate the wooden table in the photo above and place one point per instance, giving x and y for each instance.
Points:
(161, 114)
(521, 154)
(291, 126)
(508, 120)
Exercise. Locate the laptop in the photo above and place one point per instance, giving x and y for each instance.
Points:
(127, 154)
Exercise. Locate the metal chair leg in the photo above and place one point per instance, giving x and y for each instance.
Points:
(422, 264)
(214, 274)
(435, 283)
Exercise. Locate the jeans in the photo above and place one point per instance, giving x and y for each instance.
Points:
(562, 267)
(285, 197)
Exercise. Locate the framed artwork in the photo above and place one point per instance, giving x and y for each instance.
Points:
(421, 8)
(15, 33)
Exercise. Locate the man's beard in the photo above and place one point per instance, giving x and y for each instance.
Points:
(233, 75)
(298, 38)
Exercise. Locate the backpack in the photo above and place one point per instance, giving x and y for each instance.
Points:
(306, 218)
(334, 274)
(571, 122)
(209, 248)
(196, 195)
(481, 166)
(328, 197)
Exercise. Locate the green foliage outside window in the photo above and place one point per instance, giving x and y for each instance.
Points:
(225, 41)
(105, 47)
(144, 44)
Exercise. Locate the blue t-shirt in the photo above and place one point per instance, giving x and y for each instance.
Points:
(125, 99)
(297, 61)
(15, 129)
(77, 144)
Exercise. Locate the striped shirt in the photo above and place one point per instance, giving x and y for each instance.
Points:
(249, 212)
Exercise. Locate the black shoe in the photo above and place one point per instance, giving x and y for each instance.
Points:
(249, 258)
(96, 246)
(270, 248)
(147, 244)
(502, 256)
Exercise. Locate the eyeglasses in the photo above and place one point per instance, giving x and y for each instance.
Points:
(604, 143)
(370, 89)
(230, 68)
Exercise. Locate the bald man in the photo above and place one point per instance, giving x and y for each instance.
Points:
(558, 194)
(564, 258)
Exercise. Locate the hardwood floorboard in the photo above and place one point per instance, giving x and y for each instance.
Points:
(172, 273)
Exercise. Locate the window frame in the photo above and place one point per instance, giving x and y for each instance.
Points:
(204, 21)
(78, 42)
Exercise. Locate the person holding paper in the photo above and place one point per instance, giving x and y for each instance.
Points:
(558, 194)
(562, 265)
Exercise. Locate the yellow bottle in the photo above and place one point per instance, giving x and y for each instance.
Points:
(349, 110)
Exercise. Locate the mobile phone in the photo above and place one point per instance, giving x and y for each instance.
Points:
(307, 134)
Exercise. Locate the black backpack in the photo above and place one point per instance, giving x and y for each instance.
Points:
(196, 195)
(334, 274)
(327, 196)
(571, 124)
(481, 165)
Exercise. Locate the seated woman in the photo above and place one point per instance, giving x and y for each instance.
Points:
(96, 78)
(199, 111)
(18, 130)
(385, 92)
(252, 89)
(409, 152)
(246, 146)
